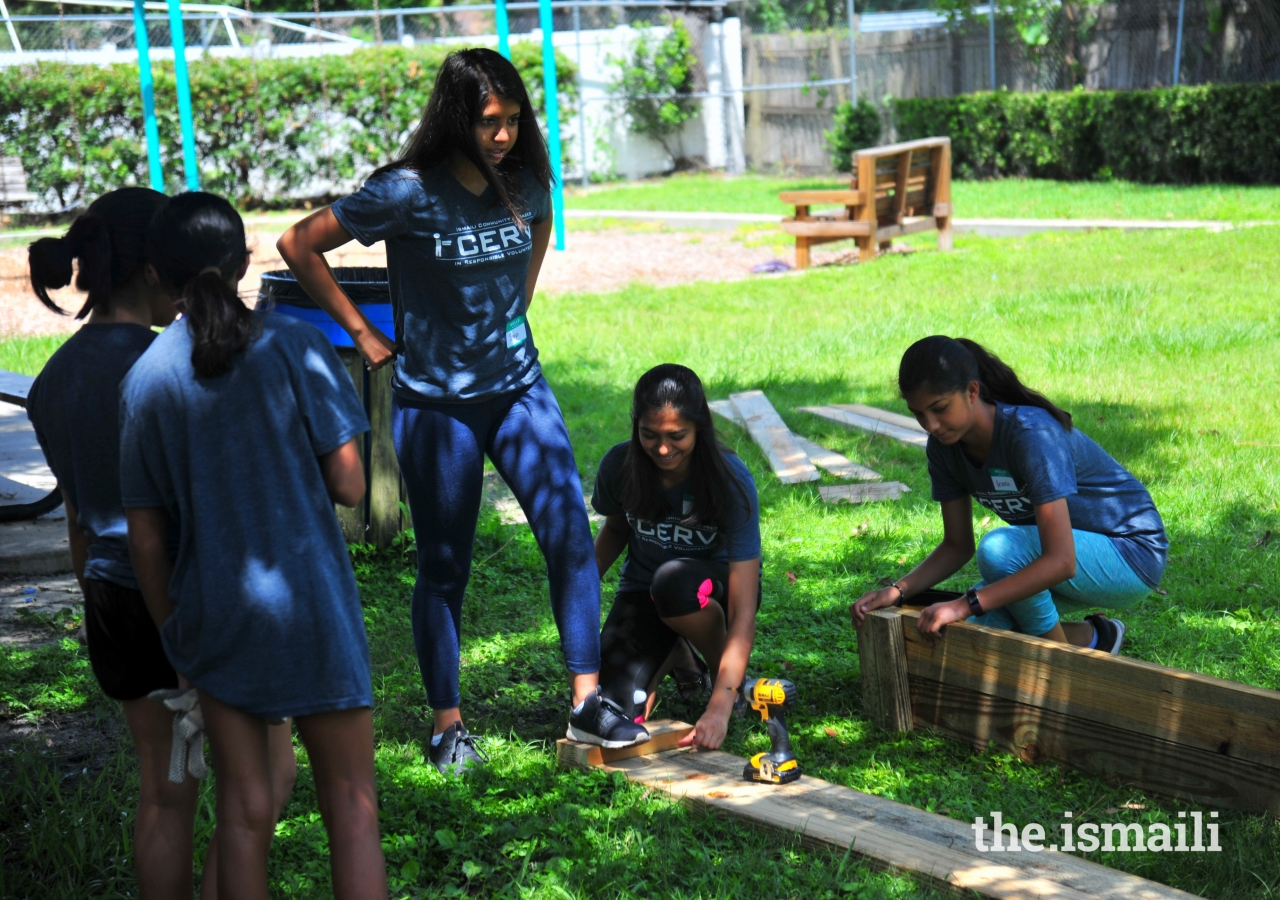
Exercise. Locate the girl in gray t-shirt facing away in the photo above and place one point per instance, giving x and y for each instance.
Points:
(1082, 532)
(241, 426)
(466, 215)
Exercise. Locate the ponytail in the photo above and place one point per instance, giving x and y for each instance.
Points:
(107, 241)
(943, 365)
(196, 243)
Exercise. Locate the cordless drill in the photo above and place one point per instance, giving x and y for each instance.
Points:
(770, 697)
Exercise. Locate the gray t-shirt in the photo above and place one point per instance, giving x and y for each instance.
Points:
(267, 616)
(1034, 461)
(74, 407)
(457, 265)
(651, 544)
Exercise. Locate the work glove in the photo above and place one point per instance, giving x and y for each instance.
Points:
(187, 754)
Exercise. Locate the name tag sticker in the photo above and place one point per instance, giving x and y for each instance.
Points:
(517, 332)
(1002, 480)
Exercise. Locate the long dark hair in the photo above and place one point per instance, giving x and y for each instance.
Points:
(715, 487)
(467, 81)
(108, 242)
(944, 365)
(196, 243)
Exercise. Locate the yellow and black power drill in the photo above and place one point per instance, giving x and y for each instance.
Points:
(771, 697)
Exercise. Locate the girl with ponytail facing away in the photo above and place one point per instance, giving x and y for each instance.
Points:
(1082, 531)
(240, 426)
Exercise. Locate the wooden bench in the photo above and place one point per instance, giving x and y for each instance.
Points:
(13, 183)
(896, 190)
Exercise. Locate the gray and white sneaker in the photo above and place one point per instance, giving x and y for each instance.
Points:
(457, 754)
(602, 722)
(1110, 633)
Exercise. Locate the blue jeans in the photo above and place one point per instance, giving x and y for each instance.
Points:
(1103, 579)
(441, 448)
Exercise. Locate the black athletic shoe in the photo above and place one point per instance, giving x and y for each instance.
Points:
(603, 722)
(457, 753)
(1110, 633)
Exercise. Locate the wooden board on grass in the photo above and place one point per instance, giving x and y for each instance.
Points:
(866, 423)
(882, 415)
(767, 429)
(724, 409)
(863, 493)
(820, 456)
(889, 835)
(664, 734)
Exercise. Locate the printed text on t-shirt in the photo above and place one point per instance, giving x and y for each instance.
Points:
(485, 242)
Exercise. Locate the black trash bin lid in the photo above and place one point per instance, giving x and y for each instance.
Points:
(363, 284)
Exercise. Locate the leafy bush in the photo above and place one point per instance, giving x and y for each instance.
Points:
(856, 126)
(265, 129)
(654, 84)
(1182, 135)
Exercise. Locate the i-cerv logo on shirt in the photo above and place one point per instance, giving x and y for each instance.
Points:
(484, 242)
(999, 501)
(672, 534)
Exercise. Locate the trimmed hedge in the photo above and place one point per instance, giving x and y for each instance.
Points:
(856, 126)
(264, 129)
(1183, 135)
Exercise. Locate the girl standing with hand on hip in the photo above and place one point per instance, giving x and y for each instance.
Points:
(1082, 531)
(240, 426)
(465, 214)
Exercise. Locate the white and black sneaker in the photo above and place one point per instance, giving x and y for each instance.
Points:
(601, 721)
(1110, 633)
(457, 753)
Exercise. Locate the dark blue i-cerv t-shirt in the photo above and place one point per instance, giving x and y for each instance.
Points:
(457, 265)
(1034, 461)
(651, 544)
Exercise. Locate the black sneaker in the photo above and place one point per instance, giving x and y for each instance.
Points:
(601, 721)
(1110, 633)
(457, 753)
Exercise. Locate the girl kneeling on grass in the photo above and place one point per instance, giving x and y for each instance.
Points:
(74, 407)
(240, 426)
(1083, 532)
(685, 508)
(466, 215)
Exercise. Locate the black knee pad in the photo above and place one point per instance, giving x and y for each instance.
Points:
(684, 586)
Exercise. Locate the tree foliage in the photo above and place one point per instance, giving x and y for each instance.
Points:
(857, 126)
(654, 83)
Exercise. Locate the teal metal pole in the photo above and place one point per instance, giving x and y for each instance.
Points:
(504, 30)
(550, 89)
(148, 95)
(179, 41)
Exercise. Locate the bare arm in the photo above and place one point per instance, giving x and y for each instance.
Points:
(149, 552)
(303, 247)
(947, 559)
(611, 541)
(78, 540)
(541, 237)
(1055, 564)
(343, 474)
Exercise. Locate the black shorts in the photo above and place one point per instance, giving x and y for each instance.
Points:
(635, 642)
(124, 646)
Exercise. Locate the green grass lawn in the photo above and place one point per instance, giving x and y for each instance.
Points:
(1165, 347)
(1006, 198)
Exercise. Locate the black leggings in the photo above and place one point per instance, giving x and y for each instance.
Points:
(635, 642)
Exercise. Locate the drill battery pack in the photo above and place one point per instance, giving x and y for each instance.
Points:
(761, 768)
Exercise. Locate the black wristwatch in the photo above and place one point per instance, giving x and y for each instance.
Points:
(974, 606)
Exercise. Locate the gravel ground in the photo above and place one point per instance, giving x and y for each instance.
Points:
(598, 260)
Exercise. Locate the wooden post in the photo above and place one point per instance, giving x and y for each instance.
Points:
(882, 652)
(865, 166)
(354, 521)
(383, 470)
(837, 69)
(942, 194)
(755, 105)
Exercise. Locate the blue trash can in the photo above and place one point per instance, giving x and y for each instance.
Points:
(367, 286)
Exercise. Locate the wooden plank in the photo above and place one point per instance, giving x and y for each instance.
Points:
(725, 410)
(865, 167)
(854, 420)
(916, 226)
(923, 144)
(817, 198)
(384, 470)
(882, 415)
(838, 465)
(14, 388)
(902, 186)
(1202, 713)
(664, 734)
(882, 655)
(1121, 757)
(889, 835)
(833, 228)
(767, 429)
(863, 493)
(942, 210)
(355, 521)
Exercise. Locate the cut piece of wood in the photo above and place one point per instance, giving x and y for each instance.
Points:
(724, 409)
(837, 465)
(882, 415)
(882, 655)
(767, 429)
(876, 153)
(863, 493)
(664, 734)
(913, 226)
(875, 426)
(816, 198)
(889, 835)
(1202, 713)
(841, 228)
